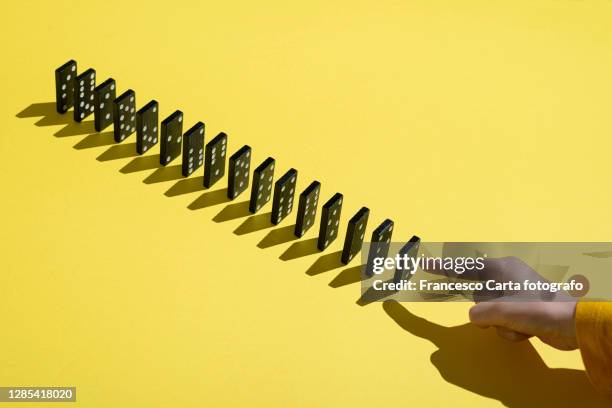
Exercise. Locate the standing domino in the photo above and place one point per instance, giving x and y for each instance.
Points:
(84, 94)
(307, 208)
(239, 170)
(146, 127)
(124, 117)
(214, 167)
(379, 247)
(262, 185)
(104, 95)
(330, 217)
(65, 78)
(354, 235)
(171, 137)
(282, 203)
(411, 249)
(193, 148)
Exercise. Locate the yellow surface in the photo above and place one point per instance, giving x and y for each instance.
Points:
(474, 120)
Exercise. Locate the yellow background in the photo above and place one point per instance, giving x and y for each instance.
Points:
(473, 120)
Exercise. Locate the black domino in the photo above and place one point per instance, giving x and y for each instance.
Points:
(330, 218)
(171, 138)
(146, 127)
(355, 232)
(380, 242)
(124, 115)
(65, 78)
(284, 190)
(193, 149)
(84, 94)
(307, 208)
(214, 167)
(261, 191)
(239, 171)
(411, 249)
(104, 95)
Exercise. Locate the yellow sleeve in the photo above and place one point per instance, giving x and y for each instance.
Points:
(594, 334)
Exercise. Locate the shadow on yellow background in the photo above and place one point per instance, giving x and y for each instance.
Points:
(513, 373)
(468, 357)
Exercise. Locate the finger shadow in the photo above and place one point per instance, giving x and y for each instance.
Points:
(278, 236)
(479, 361)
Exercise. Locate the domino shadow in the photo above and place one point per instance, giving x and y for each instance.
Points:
(348, 277)
(76, 129)
(372, 295)
(50, 116)
(479, 361)
(278, 236)
(210, 199)
(300, 249)
(167, 173)
(119, 151)
(141, 163)
(325, 263)
(95, 140)
(233, 211)
(186, 186)
(255, 223)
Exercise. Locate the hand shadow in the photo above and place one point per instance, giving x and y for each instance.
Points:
(513, 373)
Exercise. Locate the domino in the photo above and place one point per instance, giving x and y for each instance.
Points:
(282, 203)
(307, 208)
(214, 168)
(411, 249)
(65, 78)
(330, 217)
(262, 185)
(355, 232)
(104, 95)
(124, 117)
(171, 138)
(239, 170)
(146, 127)
(380, 242)
(193, 149)
(84, 94)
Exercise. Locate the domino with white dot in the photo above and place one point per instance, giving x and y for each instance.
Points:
(239, 172)
(104, 95)
(284, 190)
(261, 191)
(379, 246)
(124, 115)
(193, 149)
(171, 138)
(84, 94)
(330, 218)
(307, 208)
(214, 167)
(411, 248)
(65, 78)
(355, 231)
(146, 127)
